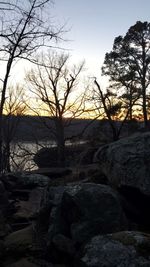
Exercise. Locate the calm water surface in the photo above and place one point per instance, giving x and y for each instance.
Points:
(22, 153)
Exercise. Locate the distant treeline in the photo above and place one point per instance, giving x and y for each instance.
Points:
(32, 128)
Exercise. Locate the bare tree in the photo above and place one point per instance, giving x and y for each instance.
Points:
(24, 29)
(111, 107)
(14, 108)
(54, 84)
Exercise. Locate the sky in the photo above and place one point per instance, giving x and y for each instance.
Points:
(93, 25)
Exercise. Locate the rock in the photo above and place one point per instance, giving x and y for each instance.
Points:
(20, 241)
(29, 209)
(127, 162)
(4, 210)
(10, 181)
(33, 180)
(91, 174)
(28, 262)
(3, 197)
(86, 157)
(124, 249)
(46, 157)
(22, 263)
(140, 240)
(4, 227)
(49, 222)
(1, 249)
(2, 188)
(136, 206)
(53, 173)
(20, 194)
(62, 249)
(64, 244)
(55, 194)
(85, 210)
(4, 204)
(93, 209)
(57, 225)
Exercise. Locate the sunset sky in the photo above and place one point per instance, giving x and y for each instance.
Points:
(93, 25)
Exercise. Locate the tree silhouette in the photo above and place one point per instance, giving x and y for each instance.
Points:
(15, 106)
(111, 107)
(24, 29)
(53, 82)
(128, 65)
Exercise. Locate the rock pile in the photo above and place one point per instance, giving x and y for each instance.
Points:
(82, 223)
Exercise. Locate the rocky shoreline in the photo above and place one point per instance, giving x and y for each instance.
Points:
(96, 215)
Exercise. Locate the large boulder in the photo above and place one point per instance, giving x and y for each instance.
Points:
(123, 249)
(93, 209)
(84, 210)
(127, 162)
(46, 157)
(20, 241)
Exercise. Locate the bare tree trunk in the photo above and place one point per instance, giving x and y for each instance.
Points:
(143, 83)
(3, 95)
(144, 109)
(130, 109)
(6, 157)
(1, 144)
(60, 143)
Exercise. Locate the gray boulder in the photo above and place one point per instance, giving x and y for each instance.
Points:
(57, 223)
(62, 249)
(19, 241)
(127, 162)
(4, 204)
(3, 196)
(93, 209)
(33, 180)
(55, 194)
(85, 210)
(29, 209)
(46, 157)
(4, 227)
(64, 244)
(123, 249)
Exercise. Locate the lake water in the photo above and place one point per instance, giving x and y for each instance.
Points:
(22, 153)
